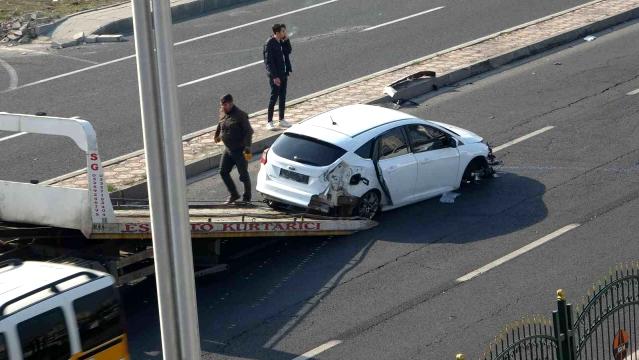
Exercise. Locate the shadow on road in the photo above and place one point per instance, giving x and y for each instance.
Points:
(247, 312)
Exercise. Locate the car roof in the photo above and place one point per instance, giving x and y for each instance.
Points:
(18, 278)
(351, 120)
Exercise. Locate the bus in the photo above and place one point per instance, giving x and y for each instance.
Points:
(59, 312)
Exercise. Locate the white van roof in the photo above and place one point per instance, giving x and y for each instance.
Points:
(19, 278)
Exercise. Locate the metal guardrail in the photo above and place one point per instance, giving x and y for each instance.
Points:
(604, 326)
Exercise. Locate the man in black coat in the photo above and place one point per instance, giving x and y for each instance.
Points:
(235, 131)
(277, 51)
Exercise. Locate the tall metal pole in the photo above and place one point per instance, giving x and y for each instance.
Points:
(166, 180)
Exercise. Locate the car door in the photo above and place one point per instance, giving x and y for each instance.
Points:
(437, 159)
(397, 166)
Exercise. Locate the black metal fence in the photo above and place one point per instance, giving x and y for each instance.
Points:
(530, 338)
(602, 327)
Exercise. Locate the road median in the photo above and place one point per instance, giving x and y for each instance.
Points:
(126, 175)
(118, 19)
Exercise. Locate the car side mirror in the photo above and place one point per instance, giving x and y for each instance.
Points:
(452, 142)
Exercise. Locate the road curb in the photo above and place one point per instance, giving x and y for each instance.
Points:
(211, 160)
(47, 29)
(179, 12)
(124, 25)
(521, 53)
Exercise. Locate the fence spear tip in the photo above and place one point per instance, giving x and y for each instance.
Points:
(560, 295)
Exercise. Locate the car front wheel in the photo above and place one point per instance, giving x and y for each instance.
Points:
(368, 205)
(477, 165)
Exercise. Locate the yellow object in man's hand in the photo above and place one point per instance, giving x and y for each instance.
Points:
(248, 155)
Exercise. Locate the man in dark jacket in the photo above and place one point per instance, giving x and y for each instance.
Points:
(234, 130)
(277, 51)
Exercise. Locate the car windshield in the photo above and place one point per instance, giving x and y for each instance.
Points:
(306, 150)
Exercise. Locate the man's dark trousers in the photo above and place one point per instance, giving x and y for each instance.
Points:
(232, 158)
(277, 92)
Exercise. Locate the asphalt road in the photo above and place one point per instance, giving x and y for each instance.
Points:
(390, 293)
(329, 49)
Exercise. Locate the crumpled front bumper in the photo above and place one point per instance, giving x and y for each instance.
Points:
(492, 162)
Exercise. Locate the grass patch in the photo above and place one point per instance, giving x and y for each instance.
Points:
(48, 8)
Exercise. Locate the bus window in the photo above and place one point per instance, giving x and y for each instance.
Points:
(4, 352)
(45, 337)
(99, 318)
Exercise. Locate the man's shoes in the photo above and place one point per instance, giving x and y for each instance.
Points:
(284, 124)
(232, 199)
(270, 126)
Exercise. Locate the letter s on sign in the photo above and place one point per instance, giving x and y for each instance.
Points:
(93, 157)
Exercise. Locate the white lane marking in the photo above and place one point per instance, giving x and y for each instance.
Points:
(402, 19)
(72, 73)
(13, 74)
(254, 22)
(75, 59)
(176, 44)
(318, 350)
(516, 253)
(12, 136)
(633, 92)
(520, 139)
(220, 74)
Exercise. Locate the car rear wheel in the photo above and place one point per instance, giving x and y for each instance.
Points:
(368, 205)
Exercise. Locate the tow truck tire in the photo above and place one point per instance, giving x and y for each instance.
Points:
(368, 206)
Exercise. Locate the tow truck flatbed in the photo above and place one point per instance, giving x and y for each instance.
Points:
(220, 221)
(81, 226)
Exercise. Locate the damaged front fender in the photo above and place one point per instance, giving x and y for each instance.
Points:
(488, 169)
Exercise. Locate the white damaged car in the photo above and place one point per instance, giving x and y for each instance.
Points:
(359, 159)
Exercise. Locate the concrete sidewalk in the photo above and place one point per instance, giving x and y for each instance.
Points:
(126, 175)
(117, 19)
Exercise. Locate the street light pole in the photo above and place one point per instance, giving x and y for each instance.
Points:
(166, 180)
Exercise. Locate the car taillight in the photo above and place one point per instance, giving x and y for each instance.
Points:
(264, 157)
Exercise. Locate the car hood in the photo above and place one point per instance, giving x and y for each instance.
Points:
(468, 137)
